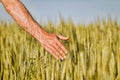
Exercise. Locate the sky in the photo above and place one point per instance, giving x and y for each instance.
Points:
(80, 11)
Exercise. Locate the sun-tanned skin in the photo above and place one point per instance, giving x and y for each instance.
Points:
(23, 18)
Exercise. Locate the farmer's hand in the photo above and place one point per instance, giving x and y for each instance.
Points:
(51, 43)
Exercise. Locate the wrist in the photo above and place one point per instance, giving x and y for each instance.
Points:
(39, 33)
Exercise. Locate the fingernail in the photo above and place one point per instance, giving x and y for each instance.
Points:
(65, 52)
(64, 57)
(61, 58)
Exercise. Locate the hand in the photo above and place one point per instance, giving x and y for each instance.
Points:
(51, 43)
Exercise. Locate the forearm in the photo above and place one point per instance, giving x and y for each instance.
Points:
(20, 14)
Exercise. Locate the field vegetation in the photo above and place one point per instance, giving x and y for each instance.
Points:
(93, 52)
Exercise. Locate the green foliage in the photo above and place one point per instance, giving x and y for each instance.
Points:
(93, 53)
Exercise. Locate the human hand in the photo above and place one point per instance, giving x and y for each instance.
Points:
(52, 44)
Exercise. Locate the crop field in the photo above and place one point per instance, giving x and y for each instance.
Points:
(93, 52)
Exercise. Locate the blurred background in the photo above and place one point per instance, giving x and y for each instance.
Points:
(80, 11)
(93, 49)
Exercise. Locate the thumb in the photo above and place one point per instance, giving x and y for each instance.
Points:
(61, 37)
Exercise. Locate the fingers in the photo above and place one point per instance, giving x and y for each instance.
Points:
(61, 46)
(61, 52)
(62, 37)
(54, 51)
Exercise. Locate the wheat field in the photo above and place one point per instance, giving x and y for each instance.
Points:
(93, 52)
